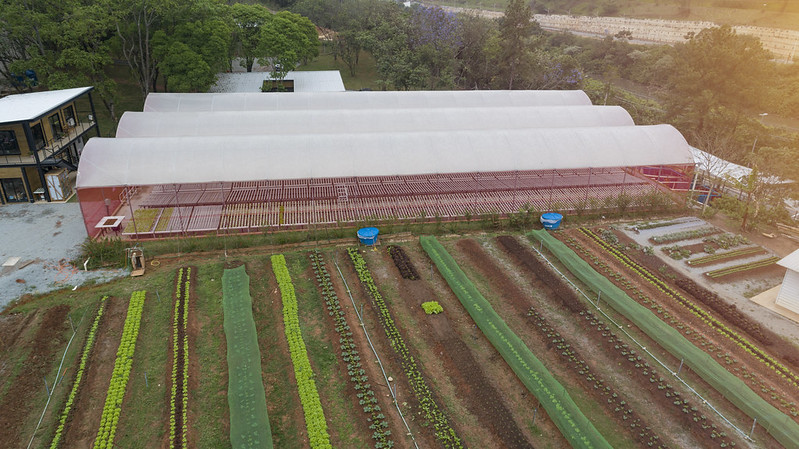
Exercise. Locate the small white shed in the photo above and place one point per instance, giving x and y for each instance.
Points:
(788, 295)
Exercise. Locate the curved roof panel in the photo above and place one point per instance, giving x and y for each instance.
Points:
(180, 160)
(230, 123)
(281, 101)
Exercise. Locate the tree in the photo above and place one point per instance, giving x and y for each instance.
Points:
(479, 52)
(716, 71)
(191, 57)
(515, 28)
(248, 20)
(286, 40)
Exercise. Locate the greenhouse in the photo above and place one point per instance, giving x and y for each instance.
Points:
(224, 170)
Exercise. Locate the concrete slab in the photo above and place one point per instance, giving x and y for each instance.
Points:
(44, 236)
(768, 299)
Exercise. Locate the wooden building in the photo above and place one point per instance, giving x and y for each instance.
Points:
(41, 139)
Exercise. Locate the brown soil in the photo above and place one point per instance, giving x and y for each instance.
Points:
(460, 366)
(405, 397)
(194, 364)
(81, 429)
(564, 299)
(11, 326)
(609, 343)
(272, 343)
(48, 341)
(758, 376)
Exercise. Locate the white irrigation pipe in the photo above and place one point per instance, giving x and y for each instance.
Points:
(50, 393)
(643, 348)
(369, 340)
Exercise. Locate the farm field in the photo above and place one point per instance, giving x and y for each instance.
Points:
(516, 358)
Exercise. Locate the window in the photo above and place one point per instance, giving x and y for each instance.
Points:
(8, 142)
(69, 116)
(14, 190)
(38, 136)
(55, 124)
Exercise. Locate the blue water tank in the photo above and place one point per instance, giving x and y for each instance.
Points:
(368, 236)
(551, 220)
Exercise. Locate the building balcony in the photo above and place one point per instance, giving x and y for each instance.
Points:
(50, 148)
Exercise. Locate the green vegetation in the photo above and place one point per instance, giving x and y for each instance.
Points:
(720, 257)
(309, 396)
(432, 307)
(431, 410)
(560, 407)
(721, 272)
(87, 349)
(249, 422)
(121, 373)
(351, 356)
(780, 426)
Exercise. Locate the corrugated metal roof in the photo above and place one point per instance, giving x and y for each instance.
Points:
(304, 81)
(341, 101)
(30, 106)
(163, 160)
(232, 123)
(791, 261)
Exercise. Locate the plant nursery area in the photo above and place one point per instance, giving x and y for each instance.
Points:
(578, 338)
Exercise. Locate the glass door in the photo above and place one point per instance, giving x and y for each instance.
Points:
(14, 190)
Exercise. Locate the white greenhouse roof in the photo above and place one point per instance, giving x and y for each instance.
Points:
(276, 101)
(30, 106)
(304, 81)
(165, 160)
(724, 169)
(791, 261)
(230, 123)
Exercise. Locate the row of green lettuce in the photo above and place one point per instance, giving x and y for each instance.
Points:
(121, 373)
(779, 425)
(576, 428)
(309, 396)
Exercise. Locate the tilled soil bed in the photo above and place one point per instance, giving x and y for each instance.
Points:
(50, 339)
(756, 374)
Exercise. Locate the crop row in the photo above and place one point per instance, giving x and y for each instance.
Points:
(721, 272)
(84, 359)
(403, 262)
(120, 374)
(309, 396)
(615, 404)
(780, 426)
(351, 356)
(718, 257)
(179, 395)
(432, 412)
(557, 402)
(685, 235)
(697, 311)
(606, 341)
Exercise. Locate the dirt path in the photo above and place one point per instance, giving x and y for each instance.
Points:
(81, 430)
(407, 401)
(470, 380)
(48, 341)
(754, 373)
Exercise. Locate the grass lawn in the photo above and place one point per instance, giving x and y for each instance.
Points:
(365, 72)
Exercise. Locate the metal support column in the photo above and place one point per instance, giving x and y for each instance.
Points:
(32, 146)
(94, 115)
